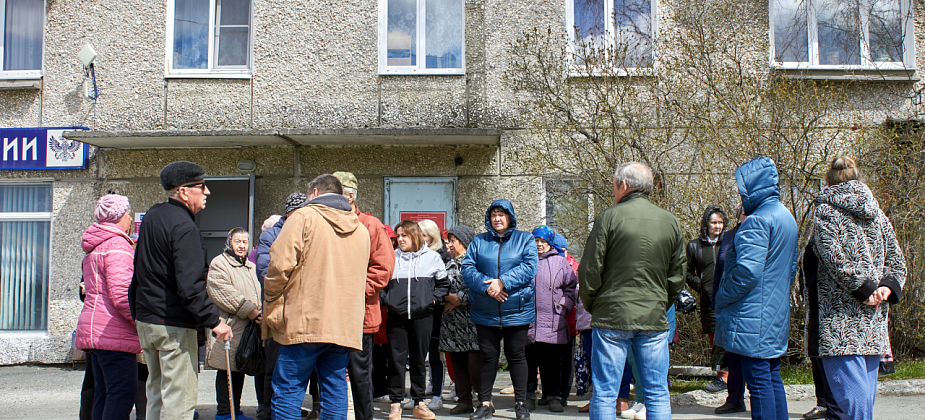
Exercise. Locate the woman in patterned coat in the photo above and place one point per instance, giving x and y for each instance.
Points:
(861, 272)
(458, 336)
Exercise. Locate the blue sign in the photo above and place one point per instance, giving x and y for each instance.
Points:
(41, 148)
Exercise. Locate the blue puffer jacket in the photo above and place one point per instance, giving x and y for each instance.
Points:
(753, 300)
(514, 256)
(263, 248)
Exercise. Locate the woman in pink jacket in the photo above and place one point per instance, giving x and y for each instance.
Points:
(105, 329)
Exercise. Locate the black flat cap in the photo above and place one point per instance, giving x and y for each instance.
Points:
(181, 172)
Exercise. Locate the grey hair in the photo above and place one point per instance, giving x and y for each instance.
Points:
(637, 175)
(348, 190)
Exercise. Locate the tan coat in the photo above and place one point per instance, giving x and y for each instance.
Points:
(235, 291)
(315, 285)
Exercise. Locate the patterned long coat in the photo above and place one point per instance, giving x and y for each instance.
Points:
(457, 333)
(858, 252)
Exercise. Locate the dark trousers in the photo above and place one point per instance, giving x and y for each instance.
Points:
(141, 399)
(221, 391)
(381, 355)
(271, 349)
(735, 382)
(436, 365)
(360, 369)
(467, 367)
(408, 338)
(548, 359)
(768, 398)
(515, 339)
(822, 388)
(115, 375)
(86, 392)
(259, 380)
(568, 376)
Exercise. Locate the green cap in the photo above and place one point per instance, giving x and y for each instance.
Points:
(346, 179)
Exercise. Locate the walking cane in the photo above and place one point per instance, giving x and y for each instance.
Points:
(228, 370)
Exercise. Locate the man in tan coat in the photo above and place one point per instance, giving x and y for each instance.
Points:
(314, 294)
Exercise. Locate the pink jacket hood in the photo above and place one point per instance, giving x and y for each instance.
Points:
(105, 321)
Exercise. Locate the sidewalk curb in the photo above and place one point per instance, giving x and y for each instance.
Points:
(801, 393)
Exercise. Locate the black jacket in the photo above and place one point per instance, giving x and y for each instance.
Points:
(169, 283)
(701, 263)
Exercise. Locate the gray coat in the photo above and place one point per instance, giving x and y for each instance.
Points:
(858, 252)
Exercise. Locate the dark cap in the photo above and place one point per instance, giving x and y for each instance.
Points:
(181, 172)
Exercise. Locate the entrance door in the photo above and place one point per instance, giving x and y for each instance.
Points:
(420, 198)
(230, 205)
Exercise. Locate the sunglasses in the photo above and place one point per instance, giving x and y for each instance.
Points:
(200, 185)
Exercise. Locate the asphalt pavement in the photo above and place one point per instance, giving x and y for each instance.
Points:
(53, 392)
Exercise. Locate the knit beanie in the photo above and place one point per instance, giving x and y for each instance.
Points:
(295, 201)
(111, 208)
(463, 234)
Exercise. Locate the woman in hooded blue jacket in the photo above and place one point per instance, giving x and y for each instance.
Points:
(499, 268)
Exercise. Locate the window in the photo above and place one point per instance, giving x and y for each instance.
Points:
(23, 24)
(209, 38)
(841, 34)
(411, 29)
(25, 243)
(569, 211)
(624, 28)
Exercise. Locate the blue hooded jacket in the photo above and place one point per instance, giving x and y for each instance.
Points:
(514, 256)
(753, 300)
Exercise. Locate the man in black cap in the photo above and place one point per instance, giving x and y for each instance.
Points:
(168, 295)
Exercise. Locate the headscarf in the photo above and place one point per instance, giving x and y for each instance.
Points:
(560, 244)
(546, 233)
(230, 251)
(111, 208)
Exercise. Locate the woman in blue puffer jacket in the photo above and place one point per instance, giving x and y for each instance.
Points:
(499, 268)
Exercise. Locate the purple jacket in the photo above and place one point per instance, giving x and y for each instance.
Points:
(556, 294)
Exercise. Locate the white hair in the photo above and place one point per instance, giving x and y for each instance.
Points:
(637, 175)
(270, 222)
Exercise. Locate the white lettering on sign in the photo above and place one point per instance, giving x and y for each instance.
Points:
(13, 146)
(7, 145)
(29, 145)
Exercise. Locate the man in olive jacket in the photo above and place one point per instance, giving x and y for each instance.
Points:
(631, 272)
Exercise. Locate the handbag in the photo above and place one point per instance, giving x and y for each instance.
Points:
(887, 366)
(250, 357)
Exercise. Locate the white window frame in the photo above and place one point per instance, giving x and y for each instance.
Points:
(812, 33)
(421, 66)
(211, 71)
(611, 38)
(20, 74)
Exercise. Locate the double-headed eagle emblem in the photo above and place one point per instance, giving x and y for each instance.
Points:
(64, 149)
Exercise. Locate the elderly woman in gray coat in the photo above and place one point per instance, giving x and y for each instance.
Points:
(458, 337)
(861, 271)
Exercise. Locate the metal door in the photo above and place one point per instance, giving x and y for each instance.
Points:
(230, 205)
(418, 198)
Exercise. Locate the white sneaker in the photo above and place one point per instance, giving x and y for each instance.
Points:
(641, 414)
(508, 390)
(383, 399)
(452, 395)
(408, 405)
(435, 404)
(631, 412)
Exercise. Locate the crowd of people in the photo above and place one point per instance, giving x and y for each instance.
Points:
(336, 295)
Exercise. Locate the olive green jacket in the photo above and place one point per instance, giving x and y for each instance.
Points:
(632, 269)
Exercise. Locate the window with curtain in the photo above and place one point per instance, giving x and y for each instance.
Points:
(623, 28)
(209, 37)
(849, 34)
(421, 37)
(25, 247)
(23, 26)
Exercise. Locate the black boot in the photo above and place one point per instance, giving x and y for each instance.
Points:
(520, 411)
(483, 412)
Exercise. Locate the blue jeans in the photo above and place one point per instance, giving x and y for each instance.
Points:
(290, 378)
(670, 314)
(607, 365)
(853, 384)
(116, 376)
(768, 398)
